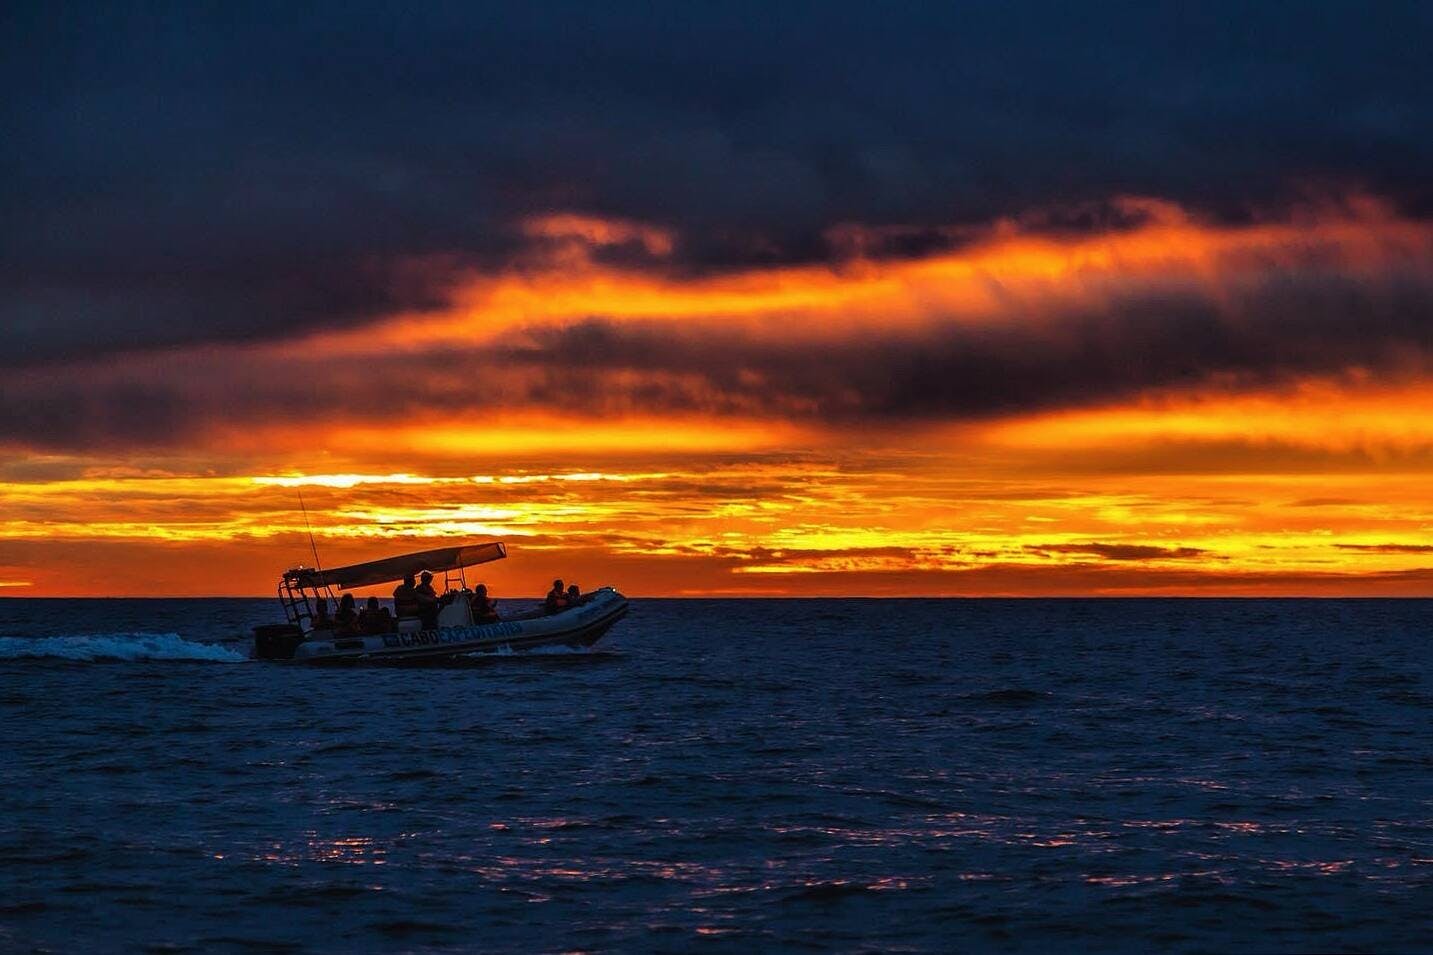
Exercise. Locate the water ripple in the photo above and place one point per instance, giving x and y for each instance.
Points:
(1020, 775)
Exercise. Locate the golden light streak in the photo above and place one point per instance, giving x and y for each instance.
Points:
(521, 435)
(1316, 414)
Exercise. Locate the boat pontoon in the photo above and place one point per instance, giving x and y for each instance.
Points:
(456, 633)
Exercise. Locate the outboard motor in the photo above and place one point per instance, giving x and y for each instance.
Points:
(277, 641)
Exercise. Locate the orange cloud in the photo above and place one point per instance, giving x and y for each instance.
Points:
(1006, 271)
(1021, 412)
(592, 231)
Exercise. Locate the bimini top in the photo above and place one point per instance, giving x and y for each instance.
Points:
(396, 568)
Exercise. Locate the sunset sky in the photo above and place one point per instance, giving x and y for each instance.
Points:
(731, 300)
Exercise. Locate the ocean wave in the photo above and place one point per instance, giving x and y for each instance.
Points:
(115, 646)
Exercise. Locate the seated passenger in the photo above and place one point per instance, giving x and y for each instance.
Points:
(375, 618)
(485, 610)
(427, 602)
(346, 619)
(320, 614)
(556, 599)
(405, 598)
(574, 595)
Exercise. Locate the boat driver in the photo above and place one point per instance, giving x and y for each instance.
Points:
(427, 601)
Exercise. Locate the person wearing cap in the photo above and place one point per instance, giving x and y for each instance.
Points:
(427, 601)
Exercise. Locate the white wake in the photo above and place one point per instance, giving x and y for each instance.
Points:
(116, 646)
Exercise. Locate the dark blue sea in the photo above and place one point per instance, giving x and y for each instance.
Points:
(729, 776)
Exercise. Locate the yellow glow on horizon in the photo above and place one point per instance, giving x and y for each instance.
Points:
(905, 517)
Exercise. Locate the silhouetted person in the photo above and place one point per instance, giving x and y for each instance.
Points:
(427, 602)
(485, 610)
(375, 618)
(405, 598)
(320, 614)
(345, 620)
(556, 598)
(574, 595)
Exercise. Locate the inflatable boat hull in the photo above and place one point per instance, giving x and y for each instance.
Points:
(576, 627)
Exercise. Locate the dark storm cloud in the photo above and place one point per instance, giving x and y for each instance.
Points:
(1269, 335)
(1262, 335)
(186, 172)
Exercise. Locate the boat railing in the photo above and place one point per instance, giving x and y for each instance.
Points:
(296, 604)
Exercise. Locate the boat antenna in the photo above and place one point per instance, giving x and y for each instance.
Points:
(318, 564)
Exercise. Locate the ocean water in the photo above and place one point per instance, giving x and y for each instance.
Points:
(730, 776)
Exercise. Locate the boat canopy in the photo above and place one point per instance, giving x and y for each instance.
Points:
(396, 568)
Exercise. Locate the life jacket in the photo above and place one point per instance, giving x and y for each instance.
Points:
(405, 601)
(484, 608)
(376, 621)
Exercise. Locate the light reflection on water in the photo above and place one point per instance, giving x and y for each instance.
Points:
(1018, 775)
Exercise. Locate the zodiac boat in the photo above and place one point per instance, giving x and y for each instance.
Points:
(456, 634)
